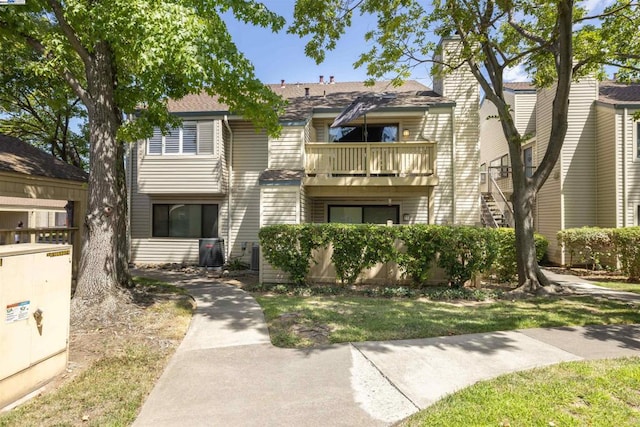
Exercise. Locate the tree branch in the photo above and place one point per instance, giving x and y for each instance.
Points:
(70, 34)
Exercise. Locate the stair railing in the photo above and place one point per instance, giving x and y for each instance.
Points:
(487, 216)
(501, 201)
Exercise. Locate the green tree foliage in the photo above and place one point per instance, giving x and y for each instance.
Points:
(40, 110)
(555, 41)
(120, 57)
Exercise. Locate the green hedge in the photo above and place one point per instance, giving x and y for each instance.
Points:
(462, 252)
(505, 268)
(592, 245)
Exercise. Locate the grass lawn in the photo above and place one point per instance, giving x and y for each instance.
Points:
(122, 362)
(352, 318)
(595, 393)
(621, 286)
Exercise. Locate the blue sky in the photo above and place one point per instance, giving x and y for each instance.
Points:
(281, 56)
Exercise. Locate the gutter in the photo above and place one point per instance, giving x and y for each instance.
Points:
(225, 120)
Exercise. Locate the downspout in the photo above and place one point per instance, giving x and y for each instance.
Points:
(230, 182)
(624, 167)
(453, 165)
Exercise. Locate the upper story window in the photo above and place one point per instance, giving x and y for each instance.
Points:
(190, 138)
(357, 133)
(500, 167)
(638, 140)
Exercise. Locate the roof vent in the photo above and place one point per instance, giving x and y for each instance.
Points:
(282, 83)
(331, 80)
(306, 92)
(321, 80)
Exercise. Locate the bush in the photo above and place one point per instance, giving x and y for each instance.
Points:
(587, 245)
(420, 249)
(626, 242)
(289, 247)
(358, 247)
(461, 251)
(505, 265)
(465, 251)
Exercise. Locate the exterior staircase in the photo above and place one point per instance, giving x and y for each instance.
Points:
(492, 216)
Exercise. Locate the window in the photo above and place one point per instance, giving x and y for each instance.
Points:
(500, 166)
(356, 133)
(185, 220)
(527, 153)
(638, 140)
(191, 138)
(373, 214)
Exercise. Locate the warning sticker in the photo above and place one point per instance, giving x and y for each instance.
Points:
(18, 311)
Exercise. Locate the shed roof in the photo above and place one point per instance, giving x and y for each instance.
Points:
(19, 157)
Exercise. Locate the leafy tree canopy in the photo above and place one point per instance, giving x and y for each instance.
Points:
(161, 50)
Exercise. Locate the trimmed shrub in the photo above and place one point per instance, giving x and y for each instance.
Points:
(420, 250)
(288, 247)
(505, 265)
(626, 242)
(587, 245)
(465, 251)
(358, 247)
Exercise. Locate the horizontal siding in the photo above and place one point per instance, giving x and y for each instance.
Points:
(180, 174)
(632, 168)
(194, 174)
(437, 127)
(249, 160)
(549, 220)
(285, 152)
(579, 156)
(463, 88)
(493, 144)
(606, 170)
(279, 205)
(525, 113)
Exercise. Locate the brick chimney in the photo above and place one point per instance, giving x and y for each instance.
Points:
(321, 80)
(282, 83)
(331, 80)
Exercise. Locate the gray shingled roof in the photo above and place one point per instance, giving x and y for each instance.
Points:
(334, 96)
(612, 92)
(19, 157)
(519, 86)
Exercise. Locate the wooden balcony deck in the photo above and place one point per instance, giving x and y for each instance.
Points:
(374, 159)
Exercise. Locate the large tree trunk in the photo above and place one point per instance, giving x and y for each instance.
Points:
(530, 278)
(101, 269)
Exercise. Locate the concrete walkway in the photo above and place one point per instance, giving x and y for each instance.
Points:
(226, 372)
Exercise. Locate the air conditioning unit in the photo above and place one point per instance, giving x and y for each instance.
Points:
(255, 257)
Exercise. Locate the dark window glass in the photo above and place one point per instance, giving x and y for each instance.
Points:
(375, 133)
(378, 214)
(185, 220)
(160, 220)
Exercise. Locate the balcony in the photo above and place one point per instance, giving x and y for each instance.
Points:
(375, 164)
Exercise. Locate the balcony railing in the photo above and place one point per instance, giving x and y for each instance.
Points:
(61, 235)
(370, 159)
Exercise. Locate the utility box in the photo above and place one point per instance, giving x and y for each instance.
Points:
(211, 253)
(35, 295)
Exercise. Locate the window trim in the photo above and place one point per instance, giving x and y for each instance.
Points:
(163, 145)
(636, 142)
(201, 204)
(383, 124)
(362, 206)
